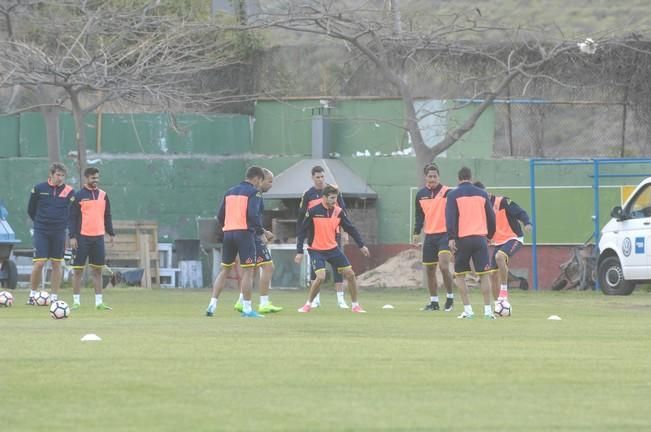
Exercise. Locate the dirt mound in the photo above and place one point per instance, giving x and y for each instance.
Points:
(404, 270)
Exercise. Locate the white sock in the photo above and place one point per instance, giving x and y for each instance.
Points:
(468, 309)
(317, 299)
(355, 304)
(434, 299)
(340, 297)
(246, 306)
(264, 300)
(76, 298)
(54, 297)
(241, 299)
(32, 293)
(487, 310)
(98, 299)
(213, 301)
(450, 295)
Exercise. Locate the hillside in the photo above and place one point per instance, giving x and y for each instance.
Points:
(574, 18)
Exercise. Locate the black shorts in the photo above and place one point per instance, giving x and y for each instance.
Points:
(238, 242)
(475, 248)
(338, 261)
(509, 249)
(262, 254)
(433, 246)
(336, 276)
(91, 248)
(49, 245)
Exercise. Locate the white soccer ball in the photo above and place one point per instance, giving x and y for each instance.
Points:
(59, 310)
(503, 308)
(42, 298)
(6, 298)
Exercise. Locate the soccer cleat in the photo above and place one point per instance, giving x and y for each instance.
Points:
(489, 317)
(31, 301)
(465, 315)
(210, 311)
(269, 308)
(103, 306)
(432, 306)
(251, 314)
(449, 304)
(237, 307)
(305, 309)
(343, 305)
(358, 309)
(75, 306)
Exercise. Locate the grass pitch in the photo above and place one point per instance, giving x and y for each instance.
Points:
(163, 366)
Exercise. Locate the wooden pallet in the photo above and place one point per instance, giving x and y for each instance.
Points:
(136, 245)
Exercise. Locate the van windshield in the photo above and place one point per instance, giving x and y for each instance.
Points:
(640, 207)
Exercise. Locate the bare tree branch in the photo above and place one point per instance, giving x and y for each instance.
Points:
(503, 54)
(96, 53)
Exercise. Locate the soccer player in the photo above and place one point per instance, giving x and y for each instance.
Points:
(90, 221)
(264, 266)
(320, 226)
(239, 216)
(470, 222)
(49, 210)
(430, 217)
(310, 198)
(508, 239)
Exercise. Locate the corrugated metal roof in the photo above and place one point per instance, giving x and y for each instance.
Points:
(296, 179)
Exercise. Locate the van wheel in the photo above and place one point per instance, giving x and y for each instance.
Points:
(611, 278)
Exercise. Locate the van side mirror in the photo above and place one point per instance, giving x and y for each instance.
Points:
(617, 213)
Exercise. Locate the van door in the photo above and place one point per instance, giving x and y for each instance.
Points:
(634, 237)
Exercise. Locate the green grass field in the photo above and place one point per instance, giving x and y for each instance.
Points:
(163, 366)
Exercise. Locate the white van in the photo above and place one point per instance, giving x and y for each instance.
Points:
(625, 244)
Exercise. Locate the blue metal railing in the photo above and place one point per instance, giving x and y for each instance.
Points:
(596, 175)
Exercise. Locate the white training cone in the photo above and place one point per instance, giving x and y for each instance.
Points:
(91, 337)
(387, 306)
(554, 318)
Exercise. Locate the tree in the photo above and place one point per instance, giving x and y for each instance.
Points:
(10, 11)
(499, 54)
(91, 52)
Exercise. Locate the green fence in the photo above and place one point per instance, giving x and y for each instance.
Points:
(175, 190)
(10, 133)
(357, 125)
(24, 135)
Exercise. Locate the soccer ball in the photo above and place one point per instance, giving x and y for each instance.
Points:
(59, 310)
(6, 299)
(503, 308)
(42, 298)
